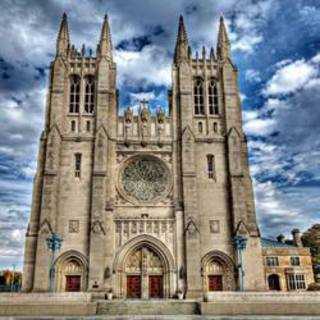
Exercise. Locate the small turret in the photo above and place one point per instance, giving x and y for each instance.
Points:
(204, 53)
(223, 45)
(181, 49)
(105, 44)
(212, 56)
(281, 238)
(63, 40)
(296, 235)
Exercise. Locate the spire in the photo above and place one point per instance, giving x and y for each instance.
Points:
(181, 49)
(63, 41)
(223, 46)
(212, 57)
(105, 39)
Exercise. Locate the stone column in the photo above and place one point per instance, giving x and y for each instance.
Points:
(144, 274)
(180, 250)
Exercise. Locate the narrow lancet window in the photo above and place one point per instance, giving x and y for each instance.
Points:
(200, 127)
(77, 165)
(213, 98)
(73, 125)
(198, 97)
(74, 94)
(89, 94)
(210, 166)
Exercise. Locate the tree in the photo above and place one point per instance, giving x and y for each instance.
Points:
(311, 239)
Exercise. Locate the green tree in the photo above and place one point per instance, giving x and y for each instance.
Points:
(311, 239)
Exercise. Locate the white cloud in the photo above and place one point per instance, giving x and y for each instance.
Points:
(253, 75)
(290, 78)
(141, 67)
(259, 127)
(249, 115)
(142, 96)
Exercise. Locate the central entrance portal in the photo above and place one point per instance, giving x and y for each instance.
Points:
(144, 272)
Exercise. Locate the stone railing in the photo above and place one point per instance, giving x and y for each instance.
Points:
(44, 297)
(263, 297)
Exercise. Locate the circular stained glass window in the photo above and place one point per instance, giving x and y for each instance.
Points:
(145, 178)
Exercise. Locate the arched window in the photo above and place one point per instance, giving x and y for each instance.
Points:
(210, 166)
(200, 127)
(77, 165)
(89, 94)
(73, 125)
(198, 97)
(74, 94)
(274, 282)
(215, 127)
(213, 98)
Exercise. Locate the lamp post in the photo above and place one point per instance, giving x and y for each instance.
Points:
(13, 272)
(240, 244)
(54, 244)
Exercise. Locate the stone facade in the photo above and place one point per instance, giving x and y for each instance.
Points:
(147, 205)
(287, 264)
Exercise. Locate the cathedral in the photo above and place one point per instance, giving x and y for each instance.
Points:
(148, 205)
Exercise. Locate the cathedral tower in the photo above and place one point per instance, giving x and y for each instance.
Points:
(146, 204)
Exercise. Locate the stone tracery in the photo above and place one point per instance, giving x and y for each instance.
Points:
(145, 178)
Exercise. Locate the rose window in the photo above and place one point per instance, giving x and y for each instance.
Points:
(145, 178)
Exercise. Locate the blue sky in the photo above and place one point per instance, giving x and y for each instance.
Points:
(275, 44)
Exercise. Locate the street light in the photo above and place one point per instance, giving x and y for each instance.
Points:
(54, 244)
(240, 244)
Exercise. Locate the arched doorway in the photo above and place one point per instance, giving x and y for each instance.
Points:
(274, 282)
(144, 272)
(217, 272)
(144, 269)
(71, 272)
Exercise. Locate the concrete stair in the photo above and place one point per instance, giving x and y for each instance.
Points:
(148, 307)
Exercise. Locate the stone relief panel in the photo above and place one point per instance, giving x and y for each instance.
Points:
(128, 228)
(74, 226)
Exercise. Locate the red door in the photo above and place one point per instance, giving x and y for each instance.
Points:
(73, 283)
(133, 287)
(215, 283)
(155, 287)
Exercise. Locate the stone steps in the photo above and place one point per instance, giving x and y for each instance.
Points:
(148, 307)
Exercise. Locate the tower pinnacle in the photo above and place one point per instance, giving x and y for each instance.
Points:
(223, 45)
(181, 49)
(63, 40)
(105, 39)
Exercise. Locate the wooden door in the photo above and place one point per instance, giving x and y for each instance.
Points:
(155, 287)
(215, 283)
(73, 283)
(133, 287)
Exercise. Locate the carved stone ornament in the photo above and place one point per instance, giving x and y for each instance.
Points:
(161, 116)
(144, 114)
(97, 227)
(128, 115)
(144, 179)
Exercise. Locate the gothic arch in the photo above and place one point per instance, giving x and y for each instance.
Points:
(144, 241)
(71, 262)
(216, 263)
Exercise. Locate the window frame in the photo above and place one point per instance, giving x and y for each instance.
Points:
(74, 93)
(272, 258)
(198, 97)
(77, 164)
(213, 97)
(211, 172)
(295, 261)
(89, 94)
(296, 281)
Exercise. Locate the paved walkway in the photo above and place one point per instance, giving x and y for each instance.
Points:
(173, 317)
